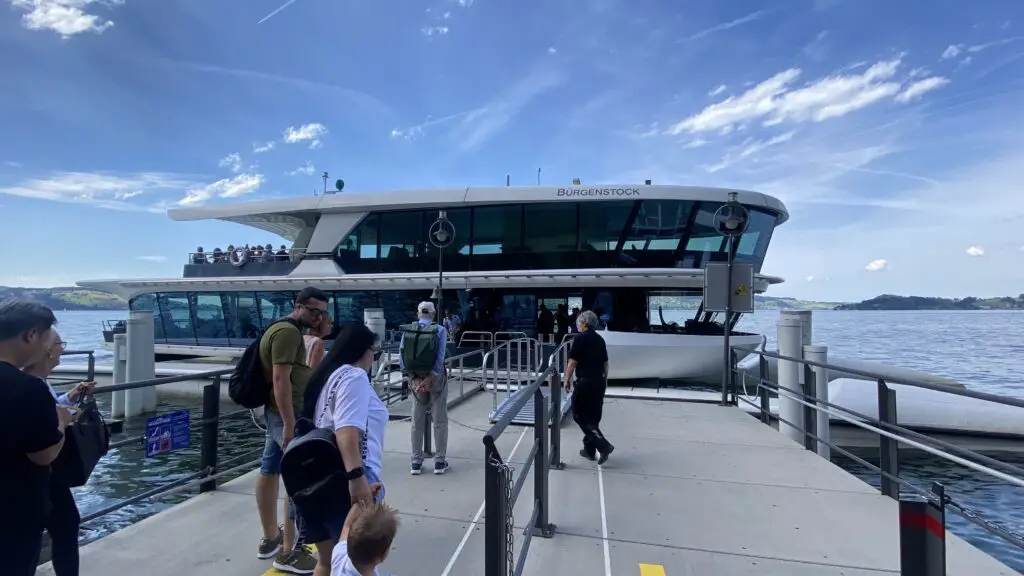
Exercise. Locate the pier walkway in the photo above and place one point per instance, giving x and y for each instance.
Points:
(692, 489)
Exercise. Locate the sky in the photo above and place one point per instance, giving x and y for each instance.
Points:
(891, 130)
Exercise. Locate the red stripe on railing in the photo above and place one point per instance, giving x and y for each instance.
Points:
(914, 519)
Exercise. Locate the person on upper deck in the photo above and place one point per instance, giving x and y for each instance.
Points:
(32, 428)
(421, 358)
(588, 360)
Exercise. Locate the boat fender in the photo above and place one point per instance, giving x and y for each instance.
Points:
(239, 257)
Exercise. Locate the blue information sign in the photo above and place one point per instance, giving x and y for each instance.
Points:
(167, 433)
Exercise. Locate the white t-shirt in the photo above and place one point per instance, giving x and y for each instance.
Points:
(341, 565)
(355, 404)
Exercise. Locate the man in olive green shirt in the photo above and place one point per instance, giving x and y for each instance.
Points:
(283, 360)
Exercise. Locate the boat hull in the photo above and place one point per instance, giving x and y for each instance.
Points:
(637, 355)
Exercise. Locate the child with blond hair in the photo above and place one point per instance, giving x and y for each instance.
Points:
(365, 540)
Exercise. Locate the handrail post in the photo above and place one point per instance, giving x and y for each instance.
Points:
(495, 502)
(542, 527)
(888, 449)
(923, 535)
(733, 375)
(555, 384)
(208, 446)
(90, 373)
(763, 377)
(810, 413)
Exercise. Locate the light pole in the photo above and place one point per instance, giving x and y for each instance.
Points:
(442, 234)
(731, 221)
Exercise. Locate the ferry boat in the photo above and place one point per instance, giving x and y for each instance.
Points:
(634, 254)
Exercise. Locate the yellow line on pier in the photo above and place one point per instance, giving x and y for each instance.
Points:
(652, 570)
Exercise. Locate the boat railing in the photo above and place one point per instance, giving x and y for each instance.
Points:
(90, 370)
(212, 469)
(502, 336)
(207, 257)
(477, 338)
(461, 368)
(510, 364)
(503, 486)
(816, 413)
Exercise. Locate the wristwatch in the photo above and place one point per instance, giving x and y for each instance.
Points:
(355, 473)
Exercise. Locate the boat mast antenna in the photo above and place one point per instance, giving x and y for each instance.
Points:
(538, 176)
(325, 182)
(508, 180)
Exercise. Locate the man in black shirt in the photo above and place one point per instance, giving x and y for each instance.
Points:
(31, 434)
(588, 360)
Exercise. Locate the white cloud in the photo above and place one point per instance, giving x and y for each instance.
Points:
(152, 258)
(306, 169)
(258, 148)
(232, 162)
(65, 17)
(465, 3)
(731, 24)
(809, 278)
(434, 30)
(312, 133)
(749, 147)
(877, 265)
(99, 189)
(952, 51)
(918, 89)
(975, 251)
(224, 188)
(13, 164)
(721, 88)
(774, 101)
(552, 50)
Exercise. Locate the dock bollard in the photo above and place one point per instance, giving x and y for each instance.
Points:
(922, 537)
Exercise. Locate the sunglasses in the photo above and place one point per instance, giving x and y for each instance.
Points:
(316, 312)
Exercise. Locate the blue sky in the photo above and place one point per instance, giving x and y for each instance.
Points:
(891, 130)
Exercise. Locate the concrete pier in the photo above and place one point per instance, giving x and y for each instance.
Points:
(694, 488)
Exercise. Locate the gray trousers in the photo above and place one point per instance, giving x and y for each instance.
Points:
(436, 400)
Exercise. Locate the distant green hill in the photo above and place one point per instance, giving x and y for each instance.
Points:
(66, 298)
(893, 302)
(760, 303)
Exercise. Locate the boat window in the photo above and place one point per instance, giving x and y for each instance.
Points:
(673, 306)
(358, 251)
(349, 306)
(402, 238)
(600, 227)
(148, 302)
(208, 319)
(497, 237)
(655, 233)
(176, 316)
(550, 236)
(243, 317)
(753, 245)
(274, 306)
(704, 244)
(456, 255)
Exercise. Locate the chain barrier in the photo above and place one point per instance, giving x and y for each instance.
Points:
(994, 527)
(507, 475)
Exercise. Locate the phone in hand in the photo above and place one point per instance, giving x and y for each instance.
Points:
(72, 410)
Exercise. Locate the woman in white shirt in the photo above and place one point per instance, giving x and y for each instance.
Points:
(347, 404)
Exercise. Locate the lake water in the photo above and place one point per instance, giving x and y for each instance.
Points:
(977, 348)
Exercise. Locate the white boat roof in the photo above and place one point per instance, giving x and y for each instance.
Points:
(288, 216)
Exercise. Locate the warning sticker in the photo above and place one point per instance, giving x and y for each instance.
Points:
(742, 290)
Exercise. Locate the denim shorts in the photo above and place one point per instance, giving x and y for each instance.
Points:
(326, 523)
(270, 463)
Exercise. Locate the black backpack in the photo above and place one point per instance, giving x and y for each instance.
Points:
(313, 471)
(248, 386)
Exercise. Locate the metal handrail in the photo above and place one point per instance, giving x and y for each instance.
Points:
(530, 346)
(502, 489)
(890, 434)
(1006, 400)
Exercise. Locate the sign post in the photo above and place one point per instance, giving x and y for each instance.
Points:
(731, 221)
(167, 433)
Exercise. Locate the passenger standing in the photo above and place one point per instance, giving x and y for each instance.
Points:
(283, 359)
(545, 324)
(421, 357)
(588, 360)
(31, 434)
(314, 340)
(63, 521)
(346, 403)
(562, 322)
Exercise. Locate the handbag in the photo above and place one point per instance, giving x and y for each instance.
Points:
(85, 441)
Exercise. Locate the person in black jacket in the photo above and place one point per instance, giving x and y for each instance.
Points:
(31, 434)
(63, 521)
(588, 360)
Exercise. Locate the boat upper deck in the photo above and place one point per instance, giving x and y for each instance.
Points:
(692, 489)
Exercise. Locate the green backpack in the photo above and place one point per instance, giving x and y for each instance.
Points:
(419, 347)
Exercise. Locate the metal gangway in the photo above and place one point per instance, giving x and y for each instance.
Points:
(513, 390)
